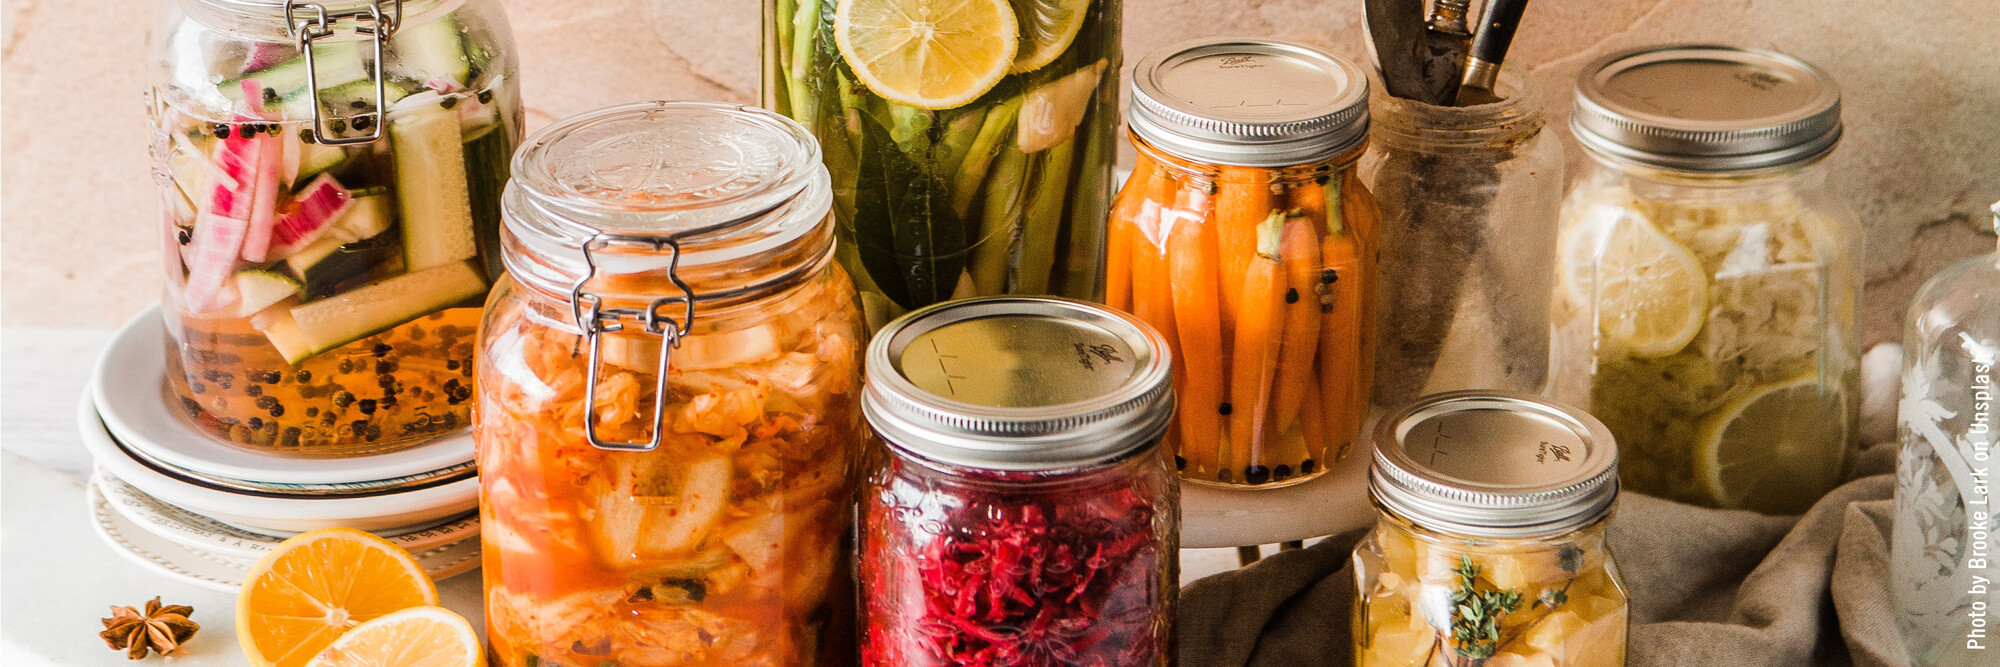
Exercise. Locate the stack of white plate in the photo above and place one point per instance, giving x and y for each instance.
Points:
(198, 509)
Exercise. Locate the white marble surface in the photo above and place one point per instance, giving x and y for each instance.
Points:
(58, 578)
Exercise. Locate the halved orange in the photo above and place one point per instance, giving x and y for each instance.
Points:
(414, 637)
(318, 585)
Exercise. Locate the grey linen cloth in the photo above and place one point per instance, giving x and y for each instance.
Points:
(1708, 587)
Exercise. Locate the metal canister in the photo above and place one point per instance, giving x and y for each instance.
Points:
(1491, 536)
(1023, 503)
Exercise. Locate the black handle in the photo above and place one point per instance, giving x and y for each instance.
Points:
(1496, 29)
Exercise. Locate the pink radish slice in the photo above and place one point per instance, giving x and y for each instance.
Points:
(217, 240)
(264, 201)
(318, 205)
(265, 54)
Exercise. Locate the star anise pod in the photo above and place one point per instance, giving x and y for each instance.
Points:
(161, 629)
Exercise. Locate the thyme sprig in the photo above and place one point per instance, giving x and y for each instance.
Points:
(1476, 614)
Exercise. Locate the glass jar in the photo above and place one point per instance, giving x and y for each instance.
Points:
(330, 213)
(1023, 511)
(1245, 237)
(1490, 549)
(1708, 279)
(668, 423)
(1469, 199)
(1945, 524)
(986, 172)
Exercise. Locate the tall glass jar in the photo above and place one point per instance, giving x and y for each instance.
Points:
(1490, 549)
(1708, 278)
(1023, 511)
(1469, 199)
(971, 143)
(330, 213)
(1946, 526)
(668, 422)
(1246, 238)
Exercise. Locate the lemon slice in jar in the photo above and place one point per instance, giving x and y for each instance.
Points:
(1651, 292)
(929, 54)
(1048, 27)
(1776, 449)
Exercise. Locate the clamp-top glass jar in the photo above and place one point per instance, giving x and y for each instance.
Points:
(668, 418)
(331, 175)
(1024, 512)
(1246, 238)
(1490, 549)
(1707, 280)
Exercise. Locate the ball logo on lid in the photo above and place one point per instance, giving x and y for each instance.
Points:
(1239, 62)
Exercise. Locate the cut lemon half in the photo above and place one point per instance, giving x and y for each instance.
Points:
(316, 586)
(1048, 27)
(1651, 292)
(929, 54)
(414, 637)
(1776, 449)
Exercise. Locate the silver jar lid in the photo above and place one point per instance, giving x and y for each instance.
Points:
(1249, 102)
(1494, 464)
(1018, 383)
(1709, 109)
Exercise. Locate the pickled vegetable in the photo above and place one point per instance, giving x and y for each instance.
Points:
(726, 545)
(1433, 600)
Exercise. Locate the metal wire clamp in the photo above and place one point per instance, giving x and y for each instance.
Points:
(370, 20)
(595, 320)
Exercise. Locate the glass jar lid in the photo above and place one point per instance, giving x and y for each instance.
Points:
(1711, 109)
(1018, 383)
(727, 184)
(1494, 464)
(1249, 102)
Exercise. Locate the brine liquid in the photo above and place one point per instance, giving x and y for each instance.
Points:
(405, 384)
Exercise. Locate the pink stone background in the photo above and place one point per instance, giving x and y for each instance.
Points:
(1921, 158)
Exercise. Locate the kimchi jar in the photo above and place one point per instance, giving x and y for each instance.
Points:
(1246, 238)
(1490, 549)
(331, 175)
(667, 417)
(1023, 512)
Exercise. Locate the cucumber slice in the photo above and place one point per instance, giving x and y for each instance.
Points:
(329, 267)
(339, 64)
(432, 50)
(370, 213)
(488, 158)
(357, 314)
(430, 183)
(316, 158)
(285, 336)
(339, 101)
(257, 289)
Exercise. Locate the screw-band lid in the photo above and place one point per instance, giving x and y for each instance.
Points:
(1018, 383)
(1494, 464)
(1708, 109)
(1249, 102)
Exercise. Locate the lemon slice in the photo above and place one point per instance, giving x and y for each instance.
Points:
(1776, 449)
(317, 585)
(1651, 292)
(1048, 27)
(414, 637)
(929, 54)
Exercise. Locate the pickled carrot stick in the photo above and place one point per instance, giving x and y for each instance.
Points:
(1242, 203)
(1254, 362)
(1152, 296)
(1346, 361)
(1192, 274)
(1312, 421)
(1300, 252)
(1118, 253)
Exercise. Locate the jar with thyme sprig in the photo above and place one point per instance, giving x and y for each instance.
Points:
(1490, 550)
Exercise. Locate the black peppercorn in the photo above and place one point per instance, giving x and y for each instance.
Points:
(221, 131)
(1256, 474)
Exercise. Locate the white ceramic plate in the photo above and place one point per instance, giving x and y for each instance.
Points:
(130, 387)
(201, 533)
(277, 515)
(223, 573)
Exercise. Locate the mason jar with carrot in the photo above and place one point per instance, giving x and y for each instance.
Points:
(1246, 238)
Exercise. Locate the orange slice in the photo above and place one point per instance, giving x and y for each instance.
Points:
(318, 585)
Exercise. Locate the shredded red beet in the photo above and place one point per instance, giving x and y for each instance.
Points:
(1055, 577)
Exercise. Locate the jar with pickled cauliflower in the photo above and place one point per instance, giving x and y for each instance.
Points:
(1490, 549)
(330, 176)
(668, 411)
(1708, 279)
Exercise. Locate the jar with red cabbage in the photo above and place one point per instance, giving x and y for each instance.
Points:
(1022, 511)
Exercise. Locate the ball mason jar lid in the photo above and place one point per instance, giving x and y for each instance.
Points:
(1494, 464)
(725, 182)
(1707, 109)
(1249, 102)
(1018, 383)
